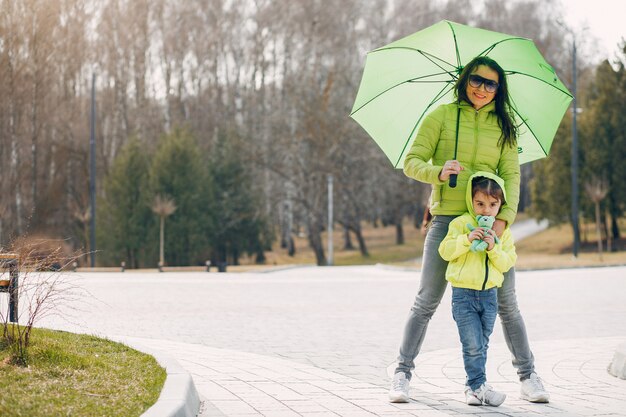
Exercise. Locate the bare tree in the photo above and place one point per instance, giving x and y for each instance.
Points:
(597, 190)
(163, 207)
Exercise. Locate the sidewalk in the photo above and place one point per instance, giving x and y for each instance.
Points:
(318, 341)
(236, 384)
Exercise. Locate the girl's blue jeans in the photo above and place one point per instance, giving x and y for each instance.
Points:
(475, 313)
(431, 289)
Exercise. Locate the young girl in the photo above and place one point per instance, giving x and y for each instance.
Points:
(475, 275)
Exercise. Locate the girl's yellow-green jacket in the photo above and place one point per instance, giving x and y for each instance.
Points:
(476, 270)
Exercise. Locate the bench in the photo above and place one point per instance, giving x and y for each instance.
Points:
(9, 261)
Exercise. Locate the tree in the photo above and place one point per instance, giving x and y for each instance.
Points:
(603, 137)
(240, 225)
(552, 178)
(177, 170)
(596, 190)
(124, 218)
(162, 207)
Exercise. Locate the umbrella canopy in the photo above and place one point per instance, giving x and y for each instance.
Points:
(405, 80)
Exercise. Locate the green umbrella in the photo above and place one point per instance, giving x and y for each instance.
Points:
(405, 80)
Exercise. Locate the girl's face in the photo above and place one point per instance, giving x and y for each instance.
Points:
(479, 96)
(485, 205)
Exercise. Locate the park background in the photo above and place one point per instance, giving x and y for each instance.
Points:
(224, 120)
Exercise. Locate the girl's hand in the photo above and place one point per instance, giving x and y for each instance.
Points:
(475, 234)
(449, 168)
(490, 238)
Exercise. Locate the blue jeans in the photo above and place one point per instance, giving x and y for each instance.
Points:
(431, 289)
(475, 314)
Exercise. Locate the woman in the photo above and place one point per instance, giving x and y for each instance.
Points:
(487, 139)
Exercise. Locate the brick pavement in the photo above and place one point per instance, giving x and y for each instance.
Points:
(237, 384)
(346, 323)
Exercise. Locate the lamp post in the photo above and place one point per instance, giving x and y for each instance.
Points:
(574, 154)
(574, 146)
(330, 220)
(92, 173)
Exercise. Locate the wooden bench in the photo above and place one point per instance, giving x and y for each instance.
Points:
(9, 261)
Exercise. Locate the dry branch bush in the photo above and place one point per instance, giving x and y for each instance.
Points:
(45, 288)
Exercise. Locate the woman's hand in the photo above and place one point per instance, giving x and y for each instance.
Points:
(475, 234)
(449, 168)
(499, 227)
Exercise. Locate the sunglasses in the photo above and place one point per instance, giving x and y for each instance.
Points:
(476, 81)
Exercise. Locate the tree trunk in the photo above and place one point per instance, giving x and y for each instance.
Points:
(614, 216)
(162, 242)
(359, 237)
(315, 240)
(598, 229)
(609, 246)
(399, 233)
(291, 246)
(347, 245)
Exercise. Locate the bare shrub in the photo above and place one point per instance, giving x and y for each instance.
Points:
(44, 285)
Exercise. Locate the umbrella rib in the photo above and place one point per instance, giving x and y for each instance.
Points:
(432, 58)
(431, 75)
(456, 46)
(439, 95)
(391, 88)
(543, 81)
(492, 46)
(531, 131)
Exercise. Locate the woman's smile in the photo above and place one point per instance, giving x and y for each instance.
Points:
(480, 97)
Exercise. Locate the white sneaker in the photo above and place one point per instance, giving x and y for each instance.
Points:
(488, 396)
(471, 398)
(532, 390)
(399, 391)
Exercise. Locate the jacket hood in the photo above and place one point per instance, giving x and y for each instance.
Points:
(468, 195)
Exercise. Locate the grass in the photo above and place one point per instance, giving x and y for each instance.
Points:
(551, 248)
(380, 242)
(78, 375)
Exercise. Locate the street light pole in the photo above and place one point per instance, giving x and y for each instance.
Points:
(92, 174)
(574, 154)
(330, 220)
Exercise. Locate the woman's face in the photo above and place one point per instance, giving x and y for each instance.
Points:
(479, 96)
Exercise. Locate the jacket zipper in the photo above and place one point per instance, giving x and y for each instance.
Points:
(486, 271)
(475, 137)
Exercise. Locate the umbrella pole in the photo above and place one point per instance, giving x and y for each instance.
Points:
(456, 144)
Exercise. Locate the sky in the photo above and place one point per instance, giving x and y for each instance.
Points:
(603, 18)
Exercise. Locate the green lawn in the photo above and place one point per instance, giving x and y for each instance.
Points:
(78, 375)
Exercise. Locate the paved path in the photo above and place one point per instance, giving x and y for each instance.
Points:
(525, 228)
(319, 341)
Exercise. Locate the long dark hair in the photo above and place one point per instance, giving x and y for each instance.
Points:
(503, 104)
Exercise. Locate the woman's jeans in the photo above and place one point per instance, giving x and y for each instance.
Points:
(432, 287)
(474, 312)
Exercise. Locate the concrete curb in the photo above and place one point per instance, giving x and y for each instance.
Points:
(617, 367)
(179, 397)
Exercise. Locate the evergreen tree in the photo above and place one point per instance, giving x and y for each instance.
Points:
(124, 215)
(178, 172)
(551, 185)
(240, 227)
(603, 140)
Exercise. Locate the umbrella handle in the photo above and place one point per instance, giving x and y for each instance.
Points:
(456, 143)
(453, 180)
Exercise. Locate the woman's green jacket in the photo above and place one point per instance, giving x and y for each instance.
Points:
(478, 150)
